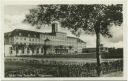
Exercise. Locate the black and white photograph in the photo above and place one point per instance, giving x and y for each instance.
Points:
(63, 40)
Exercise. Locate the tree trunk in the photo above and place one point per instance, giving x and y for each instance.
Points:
(16, 51)
(98, 53)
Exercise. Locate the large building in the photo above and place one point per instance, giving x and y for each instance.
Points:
(25, 42)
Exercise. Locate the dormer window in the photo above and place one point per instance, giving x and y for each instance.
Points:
(19, 34)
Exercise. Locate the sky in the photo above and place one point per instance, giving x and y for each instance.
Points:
(15, 14)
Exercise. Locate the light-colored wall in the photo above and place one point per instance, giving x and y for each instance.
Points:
(60, 39)
(7, 50)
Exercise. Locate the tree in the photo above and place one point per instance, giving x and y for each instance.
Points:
(92, 19)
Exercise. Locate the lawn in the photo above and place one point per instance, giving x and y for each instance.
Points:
(114, 74)
(60, 67)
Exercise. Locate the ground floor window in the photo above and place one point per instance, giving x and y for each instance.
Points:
(37, 50)
(16, 50)
(56, 50)
(42, 50)
(28, 51)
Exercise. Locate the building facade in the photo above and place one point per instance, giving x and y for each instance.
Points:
(93, 50)
(25, 42)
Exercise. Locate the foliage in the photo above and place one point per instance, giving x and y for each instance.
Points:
(33, 67)
(92, 19)
(87, 17)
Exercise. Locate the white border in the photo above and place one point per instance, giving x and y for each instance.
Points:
(36, 2)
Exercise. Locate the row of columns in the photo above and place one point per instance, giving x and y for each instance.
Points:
(61, 51)
(25, 50)
(37, 50)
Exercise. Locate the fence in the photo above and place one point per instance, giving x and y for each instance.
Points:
(45, 68)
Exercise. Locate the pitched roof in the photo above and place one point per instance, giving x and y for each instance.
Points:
(79, 40)
(25, 33)
(33, 33)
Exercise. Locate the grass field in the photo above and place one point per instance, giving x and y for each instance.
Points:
(77, 60)
(113, 74)
(53, 66)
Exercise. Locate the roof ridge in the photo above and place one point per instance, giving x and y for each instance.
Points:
(33, 31)
(76, 38)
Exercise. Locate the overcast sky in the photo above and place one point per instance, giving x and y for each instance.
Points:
(14, 15)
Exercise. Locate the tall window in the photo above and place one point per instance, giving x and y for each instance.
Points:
(32, 51)
(24, 38)
(42, 50)
(37, 50)
(23, 51)
(29, 39)
(55, 50)
(16, 50)
(10, 50)
(28, 50)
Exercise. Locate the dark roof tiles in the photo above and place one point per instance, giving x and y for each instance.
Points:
(34, 34)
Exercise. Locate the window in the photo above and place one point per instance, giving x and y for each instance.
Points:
(22, 51)
(16, 37)
(28, 35)
(42, 50)
(28, 51)
(37, 50)
(10, 50)
(16, 50)
(30, 39)
(12, 39)
(24, 38)
(55, 50)
(32, 51)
